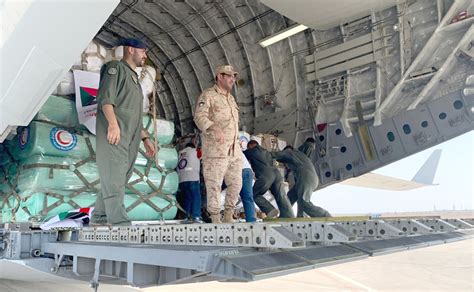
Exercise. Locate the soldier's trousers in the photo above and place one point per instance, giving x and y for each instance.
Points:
(305, 184)
(115, 165)
(215, 171)
(273, 181)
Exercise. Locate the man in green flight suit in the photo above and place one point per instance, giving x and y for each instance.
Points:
(119, 131)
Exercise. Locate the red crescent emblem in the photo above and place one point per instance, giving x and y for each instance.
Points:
(61, 141)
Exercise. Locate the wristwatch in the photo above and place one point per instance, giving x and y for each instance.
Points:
(144, 138)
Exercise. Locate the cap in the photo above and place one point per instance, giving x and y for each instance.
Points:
(226, 69)
(135, 43)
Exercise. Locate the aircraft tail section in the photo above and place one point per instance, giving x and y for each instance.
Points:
(426, 173)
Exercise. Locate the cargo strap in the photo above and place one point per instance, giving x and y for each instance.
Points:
(11, 183)
(88, 186)
(157, 191)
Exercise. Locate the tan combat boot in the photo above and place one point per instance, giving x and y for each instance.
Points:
(216, 219)
(228, 216)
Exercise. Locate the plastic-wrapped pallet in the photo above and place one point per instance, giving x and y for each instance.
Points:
(5, 157)
(66, 116)
(39, 206)
(43, 173)
(116, 53)
(66, 86)
(167, 157)
(165, 129)
(269, 142)
(55, 171)
(44, 139)
(146, 76)
(48, 186)
(4, 186)
(93, 57)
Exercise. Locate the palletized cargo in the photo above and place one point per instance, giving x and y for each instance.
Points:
(49, 168)
(39, 206)
(167, 157)
(165, 129)
(66, 116)
(44, 139)
(42, 173)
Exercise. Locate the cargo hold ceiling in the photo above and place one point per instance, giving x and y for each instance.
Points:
(189, 39)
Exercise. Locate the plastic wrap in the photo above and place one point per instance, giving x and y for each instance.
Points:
(45, 139)
(93, 57)
(154, 176)
(66, 116)
(5, 158)
(167, 157)
(43, 173)
(117, 53)
(40, 206)
(4, 186)
(165, 129)
(66, 86)
(146, 76)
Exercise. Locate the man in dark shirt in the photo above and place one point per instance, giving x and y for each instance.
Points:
(308, 147)
(268, 177)
(306, 181)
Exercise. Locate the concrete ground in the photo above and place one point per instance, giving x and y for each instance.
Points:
(445, 267)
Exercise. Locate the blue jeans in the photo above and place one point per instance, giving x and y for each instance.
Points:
(192, 198)
(246, 195)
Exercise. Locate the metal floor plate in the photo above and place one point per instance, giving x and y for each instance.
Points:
(271, 263)
(374, 247)
(326, 254)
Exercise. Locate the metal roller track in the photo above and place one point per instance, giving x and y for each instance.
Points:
(288, 234)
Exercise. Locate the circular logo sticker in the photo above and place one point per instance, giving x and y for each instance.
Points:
(23, 137)
(62, 139)
(182, 163)
(243, 142)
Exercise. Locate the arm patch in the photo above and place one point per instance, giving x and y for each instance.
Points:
(112, 71)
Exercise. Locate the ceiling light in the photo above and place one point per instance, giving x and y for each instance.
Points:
(294, 29)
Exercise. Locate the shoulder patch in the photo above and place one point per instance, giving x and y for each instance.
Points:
(202, 103)
(112, 71)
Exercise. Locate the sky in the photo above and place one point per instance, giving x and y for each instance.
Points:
(454, 175)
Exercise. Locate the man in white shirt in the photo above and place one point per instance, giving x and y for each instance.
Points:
(188, 170)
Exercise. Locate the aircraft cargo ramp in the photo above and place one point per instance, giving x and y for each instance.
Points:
(158, 254)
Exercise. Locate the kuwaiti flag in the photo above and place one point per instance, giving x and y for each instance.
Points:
(87, 84)
(71, 218)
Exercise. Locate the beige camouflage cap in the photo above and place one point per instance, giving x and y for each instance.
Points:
(226, 69)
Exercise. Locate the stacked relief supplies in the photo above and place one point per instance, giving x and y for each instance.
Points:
(49, 167)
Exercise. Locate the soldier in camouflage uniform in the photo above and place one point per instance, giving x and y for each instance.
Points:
(217, 116)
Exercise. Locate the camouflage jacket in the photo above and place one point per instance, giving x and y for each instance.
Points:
(215, 107)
